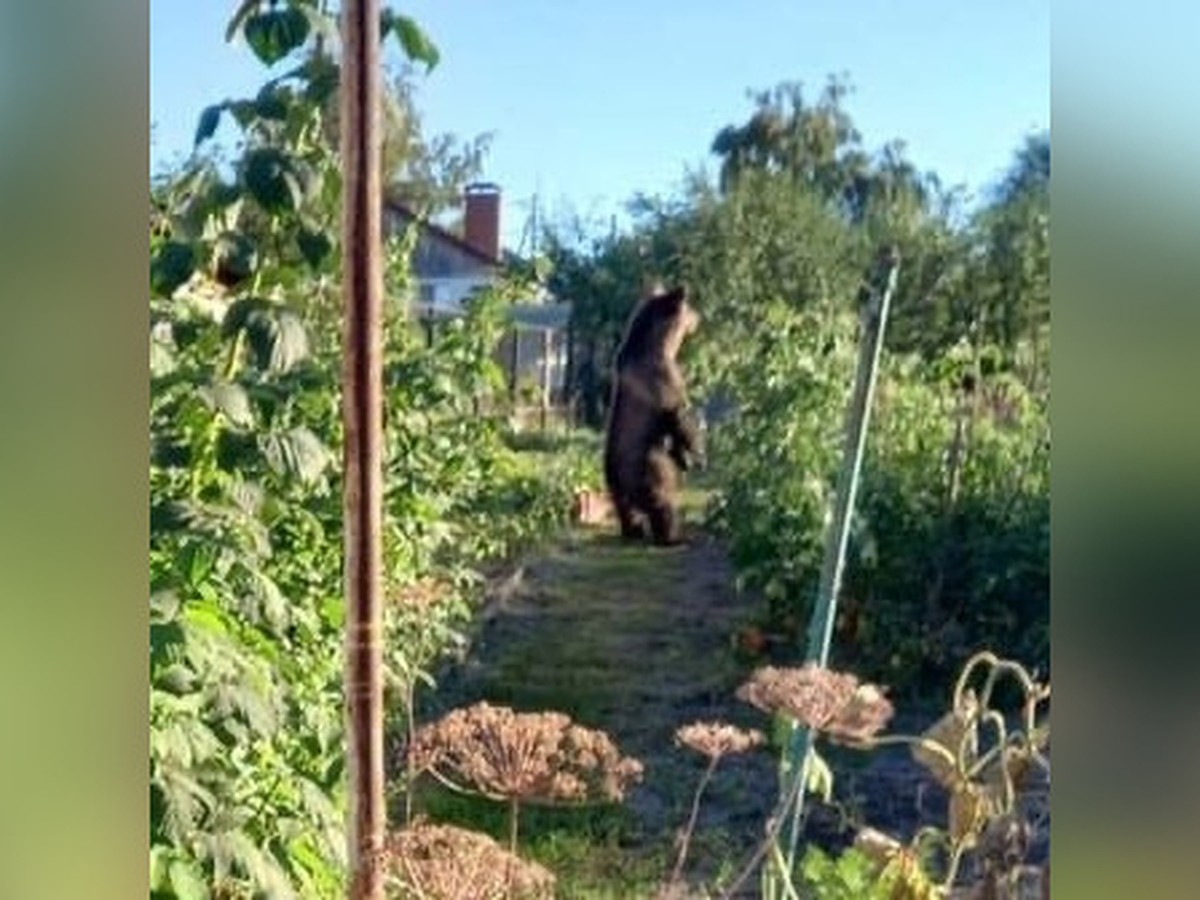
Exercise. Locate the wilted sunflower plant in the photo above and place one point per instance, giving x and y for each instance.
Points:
(981, 757)
(985, 762)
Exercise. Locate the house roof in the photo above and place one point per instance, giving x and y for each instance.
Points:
(439, 233)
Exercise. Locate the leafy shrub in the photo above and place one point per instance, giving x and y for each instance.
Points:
(937, 572)
(247, 746)
(949, 548)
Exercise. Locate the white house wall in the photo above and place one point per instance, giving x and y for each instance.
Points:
(448, 294)
(531, 359)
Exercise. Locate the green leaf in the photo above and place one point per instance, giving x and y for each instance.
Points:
(301, 852)
(198, 561)
(333, 775)
(238, 451)
(235, 849)
(316, 802)
(231, 401)
(206, 617)
(321, 76)
(243, 11)
(234, 258)
(164, 640)
(333, 611)
(241, 312)
(187, 881)
(239, 697)
(243, 111)
(177, 679)
(314, 246)
(288, 343)
(171, 267)
(272, 102)
(248, 496)
(325, 24)
(274, 34)
(273, 604)
(820, 777)
(162, 356)
(160, 858)
(277, 336)
(417, 46)
(164, 606)
(272, 179)
(297, 452)
(210, 118)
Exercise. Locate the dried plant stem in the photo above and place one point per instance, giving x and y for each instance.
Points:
(923, 742)
(514, 810)
(777, 858)
(466, 792)
(772, 831)
(1034, 692)
(956, 855)
(686, 839)
(411, 775)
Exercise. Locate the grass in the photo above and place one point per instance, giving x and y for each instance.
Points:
(575, 440)
(599, 614)
(632, 639)
(589, 849)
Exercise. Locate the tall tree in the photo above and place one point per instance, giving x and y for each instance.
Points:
(815, 145)
(428, 172)
(817, 149)
(1014, 259)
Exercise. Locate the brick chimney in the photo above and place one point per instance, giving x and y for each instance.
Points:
(481, 225)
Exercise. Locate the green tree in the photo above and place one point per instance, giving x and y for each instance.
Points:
(1013, 270)
(816, 148)
(428, 172)
(602, 283)
(815, 145)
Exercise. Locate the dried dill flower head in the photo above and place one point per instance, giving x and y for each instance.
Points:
(833, 703)
(441, 862)
(863, 717)
(533, 757)
(716, 739)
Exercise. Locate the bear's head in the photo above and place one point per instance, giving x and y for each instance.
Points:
(659, 326)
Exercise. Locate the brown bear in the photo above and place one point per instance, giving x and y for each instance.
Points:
(650, 434)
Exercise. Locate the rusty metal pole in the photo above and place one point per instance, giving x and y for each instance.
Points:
(362, 406)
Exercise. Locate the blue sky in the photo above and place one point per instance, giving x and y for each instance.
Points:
(591, 102)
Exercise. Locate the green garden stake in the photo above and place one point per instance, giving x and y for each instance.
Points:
(878, 295)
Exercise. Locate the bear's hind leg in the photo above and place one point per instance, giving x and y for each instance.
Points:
(664, 524)
(632, 525)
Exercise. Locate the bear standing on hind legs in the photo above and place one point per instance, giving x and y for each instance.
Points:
(650, 435)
